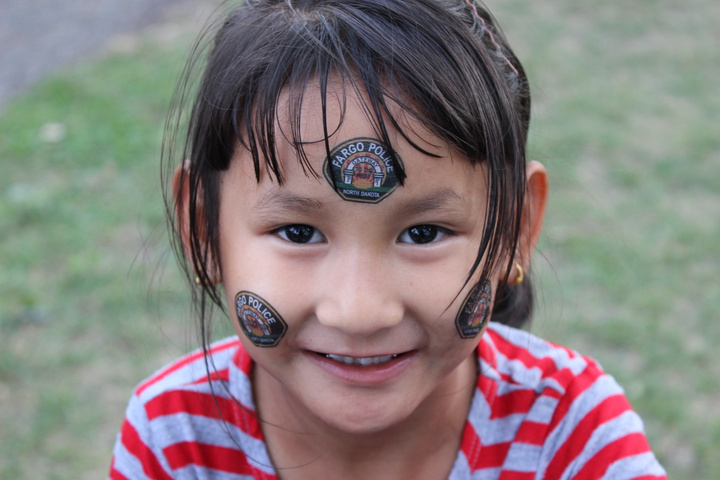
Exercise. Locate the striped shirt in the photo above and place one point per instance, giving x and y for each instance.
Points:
(540, 411)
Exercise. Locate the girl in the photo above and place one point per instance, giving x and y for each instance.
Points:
(356, 193)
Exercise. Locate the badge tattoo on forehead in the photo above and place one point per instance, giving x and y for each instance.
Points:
(258, 320)
(475, 311)
(361, 170)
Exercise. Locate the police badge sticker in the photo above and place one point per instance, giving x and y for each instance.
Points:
(361, 170)
(475, 311)
(258, 320)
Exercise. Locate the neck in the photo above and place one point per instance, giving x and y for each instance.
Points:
(422, 446)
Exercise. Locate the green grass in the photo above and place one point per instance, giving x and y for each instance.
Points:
(83, 236)
(627, 108)
(626, 115)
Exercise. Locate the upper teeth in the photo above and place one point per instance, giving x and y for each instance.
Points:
(361, 361)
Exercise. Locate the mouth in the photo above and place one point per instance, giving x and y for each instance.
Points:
(361, 361)
(366, 371)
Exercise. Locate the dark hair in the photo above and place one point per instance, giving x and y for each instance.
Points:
(442, 61)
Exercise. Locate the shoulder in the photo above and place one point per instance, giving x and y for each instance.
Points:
(194, 370)
(527, 379)
(193, 414)
(517, 357)
(543, 407)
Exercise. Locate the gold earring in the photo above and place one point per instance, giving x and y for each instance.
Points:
(520, 275)
(197, 280)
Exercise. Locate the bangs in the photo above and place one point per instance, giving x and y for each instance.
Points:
(386, 55)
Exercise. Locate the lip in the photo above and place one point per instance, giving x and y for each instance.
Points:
(364, 375)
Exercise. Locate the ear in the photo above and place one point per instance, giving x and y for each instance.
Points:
(181, 201)
(536, 195)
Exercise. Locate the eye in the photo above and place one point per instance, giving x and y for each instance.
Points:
(300, 234)
(422, 234)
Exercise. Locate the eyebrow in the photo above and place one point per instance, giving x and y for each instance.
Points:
(280, 200)
(438, 200)
(283, 201)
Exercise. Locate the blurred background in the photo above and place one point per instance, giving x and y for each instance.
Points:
(626, 118)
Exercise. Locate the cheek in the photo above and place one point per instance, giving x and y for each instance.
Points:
(247, 266)
(436, 292)
(474, 312)
(258, 320)
(454, 322)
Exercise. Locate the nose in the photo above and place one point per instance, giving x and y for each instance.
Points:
(360, 295)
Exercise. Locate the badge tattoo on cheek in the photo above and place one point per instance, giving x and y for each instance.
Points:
(361, 170)
(260, 322)
(475, 311)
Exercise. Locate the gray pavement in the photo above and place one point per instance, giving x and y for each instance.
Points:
(39, 36)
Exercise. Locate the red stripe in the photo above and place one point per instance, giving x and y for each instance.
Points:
(492, 456)
(488, 388)
(531, 433)
(605, 411)
(518, 401)
(506, 378)
(193, 357)
(134, 444)
(552, 393)
(204, 405)
(485, 349)
(242, 359)
(217, 376)
(510, 475)
(470, 445)
(223, 459)
(573, 391)
(627, 446)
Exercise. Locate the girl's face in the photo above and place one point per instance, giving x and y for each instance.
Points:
(368, 291)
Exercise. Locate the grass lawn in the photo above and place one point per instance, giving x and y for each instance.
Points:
(626, 115)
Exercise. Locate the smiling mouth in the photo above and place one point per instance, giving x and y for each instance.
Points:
(362, 361)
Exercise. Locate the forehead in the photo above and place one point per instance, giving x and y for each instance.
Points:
(311, 126)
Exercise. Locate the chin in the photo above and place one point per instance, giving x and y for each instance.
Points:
(361, 425)
(364, 416)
